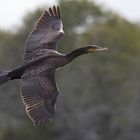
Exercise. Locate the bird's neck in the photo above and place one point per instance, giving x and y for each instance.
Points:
(80, 51)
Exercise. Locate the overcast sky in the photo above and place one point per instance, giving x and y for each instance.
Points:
(12, 11)
(127, 8)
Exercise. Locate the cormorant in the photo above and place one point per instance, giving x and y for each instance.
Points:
(41, 59)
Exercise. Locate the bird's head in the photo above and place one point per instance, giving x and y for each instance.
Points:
(85, 50)
(95, 48)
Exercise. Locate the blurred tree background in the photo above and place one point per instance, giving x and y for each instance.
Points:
(99, 94)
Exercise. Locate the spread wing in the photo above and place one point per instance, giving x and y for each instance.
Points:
(47, 31)
(39, 93)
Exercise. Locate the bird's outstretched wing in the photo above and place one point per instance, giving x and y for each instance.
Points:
(39, 93)
(47, 31)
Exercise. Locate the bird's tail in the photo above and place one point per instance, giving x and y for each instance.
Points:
(4, 77)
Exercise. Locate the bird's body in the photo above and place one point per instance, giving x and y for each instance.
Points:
(41, 59)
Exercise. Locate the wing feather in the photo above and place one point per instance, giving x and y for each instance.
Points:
(48, 29)
(51, 12)
(39, 93)
(55, 11)
(58, 12)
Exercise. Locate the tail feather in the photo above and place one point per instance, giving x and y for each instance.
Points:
(4, 77)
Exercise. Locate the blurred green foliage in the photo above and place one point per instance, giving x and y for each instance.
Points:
(99, 94)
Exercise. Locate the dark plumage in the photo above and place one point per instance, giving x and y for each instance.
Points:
(41, 59)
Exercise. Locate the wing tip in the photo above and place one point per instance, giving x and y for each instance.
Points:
(54, 11)
(39, 115)
(46, 117)
(51, 13)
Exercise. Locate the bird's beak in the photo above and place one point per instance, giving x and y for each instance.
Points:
(101, 49)
(95, 48)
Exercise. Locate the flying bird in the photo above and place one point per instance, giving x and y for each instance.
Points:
(41, 59)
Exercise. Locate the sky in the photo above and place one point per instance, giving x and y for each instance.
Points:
(129, 9)
(13, 11)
